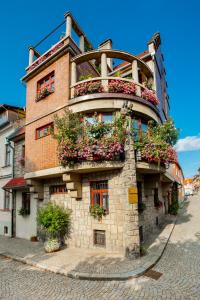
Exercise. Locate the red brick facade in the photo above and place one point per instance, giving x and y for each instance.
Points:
(41, 153)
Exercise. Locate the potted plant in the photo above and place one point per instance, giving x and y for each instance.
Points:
(33, 238)
(97, 212)
(55, 221)
(141, 207)
(23, 212)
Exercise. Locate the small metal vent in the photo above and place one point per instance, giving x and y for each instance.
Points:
(153, 274)
(100, 238)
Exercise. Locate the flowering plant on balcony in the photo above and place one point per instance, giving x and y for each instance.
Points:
(156, 145)
(150, 96)
(89, 87)
(80, 140)
(158, 152)
(120, 86)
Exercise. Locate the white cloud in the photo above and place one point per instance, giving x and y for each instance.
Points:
(189, 143)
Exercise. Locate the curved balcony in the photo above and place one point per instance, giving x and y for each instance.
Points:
(104, 89)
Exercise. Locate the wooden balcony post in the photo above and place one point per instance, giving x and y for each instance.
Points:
(73, 77)
(135, 76)
(104, 71)
(31, 55)
(82, 43)
(68, 25)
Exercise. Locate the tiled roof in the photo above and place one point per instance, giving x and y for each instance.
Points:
(18, 132)
(15, 183)
(188, 180)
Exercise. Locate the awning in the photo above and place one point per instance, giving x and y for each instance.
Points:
(15, 183)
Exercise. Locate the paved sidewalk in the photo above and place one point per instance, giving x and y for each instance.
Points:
(84, 263)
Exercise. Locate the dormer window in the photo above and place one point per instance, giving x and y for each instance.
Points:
(45, 86)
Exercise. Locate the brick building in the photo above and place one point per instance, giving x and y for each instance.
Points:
(52, 81)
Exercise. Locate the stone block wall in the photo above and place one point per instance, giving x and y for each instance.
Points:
(19, 169)
(151, 218)
(120, 224)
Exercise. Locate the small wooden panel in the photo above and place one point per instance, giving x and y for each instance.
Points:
(133, 195)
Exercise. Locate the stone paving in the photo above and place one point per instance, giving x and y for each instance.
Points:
(179, 265)
(87, 263)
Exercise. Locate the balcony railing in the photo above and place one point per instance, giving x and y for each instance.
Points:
(103, 78)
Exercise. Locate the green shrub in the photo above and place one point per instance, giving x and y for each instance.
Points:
(55, 220)
(174, 207)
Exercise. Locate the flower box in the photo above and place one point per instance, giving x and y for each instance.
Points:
(150, 96)
(46, 92)
(120, 86)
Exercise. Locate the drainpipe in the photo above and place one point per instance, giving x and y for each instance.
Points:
(13, 194)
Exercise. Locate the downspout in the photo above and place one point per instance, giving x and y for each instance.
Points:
(13, 194)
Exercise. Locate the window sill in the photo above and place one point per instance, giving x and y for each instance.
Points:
(5, 210)
(43, 97)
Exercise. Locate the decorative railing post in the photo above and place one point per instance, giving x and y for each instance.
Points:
(104, 71)
(68, 25)
(31, 55)
(82, 43)
(135, 76)
(73, 78)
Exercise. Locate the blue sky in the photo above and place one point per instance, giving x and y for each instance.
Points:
(130, 24)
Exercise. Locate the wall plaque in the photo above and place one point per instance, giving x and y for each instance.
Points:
(132, 195)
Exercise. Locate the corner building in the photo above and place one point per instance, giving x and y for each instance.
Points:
(52, 81)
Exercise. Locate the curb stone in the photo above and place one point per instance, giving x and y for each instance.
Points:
(139, 271)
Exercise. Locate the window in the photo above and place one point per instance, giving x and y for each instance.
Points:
(8, 156)
(107, 117)
(156, 198)
(46, 86)
(23, 151)
(6, 200)
(139, 127)
(139, 189)
(58, 189)
(5, 229)
(99, 194)
(26, 203)
(101, 117)
(44, 131)
(100, 238)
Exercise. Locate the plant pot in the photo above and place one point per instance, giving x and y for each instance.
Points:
(52, 245)
(33, 239)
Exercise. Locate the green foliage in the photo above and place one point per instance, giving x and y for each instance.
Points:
(174, 207)
(155, 145)
(23, 212)
(165, 132)
(97, 212)
(54, 220)
(80, 140)
(143, 250)
(141, 207)
(98, 129)
(85, 77)
(118, 74)
(68, 127)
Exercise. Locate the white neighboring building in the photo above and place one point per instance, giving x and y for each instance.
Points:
(188, 186)
(8, 116)
(24, 211)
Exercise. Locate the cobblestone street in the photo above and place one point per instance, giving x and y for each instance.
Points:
(180, 268)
